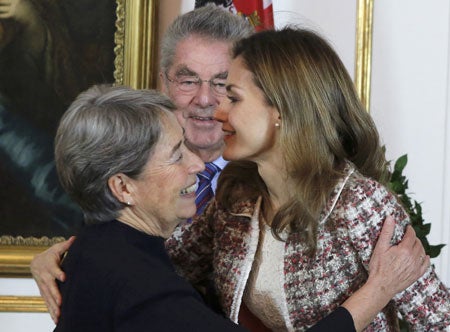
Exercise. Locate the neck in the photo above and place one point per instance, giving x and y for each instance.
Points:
(128, 217)
(279, 184)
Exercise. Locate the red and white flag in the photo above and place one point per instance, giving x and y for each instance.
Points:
(258, 12)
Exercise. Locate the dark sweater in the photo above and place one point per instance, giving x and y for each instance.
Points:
(120, 279)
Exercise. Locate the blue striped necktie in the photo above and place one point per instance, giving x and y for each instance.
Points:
(204, 191)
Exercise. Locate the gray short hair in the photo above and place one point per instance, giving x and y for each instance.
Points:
(107, 130)
(210, 22)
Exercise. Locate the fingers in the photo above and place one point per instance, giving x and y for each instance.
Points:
(52, 300)
(47, 288)
(426, 263)
(410, 261)
(61, 247)
(45, 268)
(384, 241)
(58, 250)
(414, 256)
(396, 267)
(409, 238)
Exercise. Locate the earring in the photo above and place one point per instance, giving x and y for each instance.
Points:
(128, 203)
(277, 124)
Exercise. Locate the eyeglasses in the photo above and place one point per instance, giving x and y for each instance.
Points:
(191, 84)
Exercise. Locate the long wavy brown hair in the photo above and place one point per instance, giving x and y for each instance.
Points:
(323, 125)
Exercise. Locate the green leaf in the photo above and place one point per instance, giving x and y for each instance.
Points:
(422, 230)
(434, 251)
(397, 187)
(418, 208)
(401, 163)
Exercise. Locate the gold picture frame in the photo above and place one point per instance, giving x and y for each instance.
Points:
(363, 59)
(135, 66)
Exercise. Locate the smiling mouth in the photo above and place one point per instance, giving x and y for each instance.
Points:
(228, 132)
(227, 136)
(189, 190)
(203, 118)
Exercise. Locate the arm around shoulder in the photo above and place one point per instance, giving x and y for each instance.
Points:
(45, 268)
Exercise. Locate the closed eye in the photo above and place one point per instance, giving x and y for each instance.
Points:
(188, 82)
(232, 99)
(180, 157)
(219, 84)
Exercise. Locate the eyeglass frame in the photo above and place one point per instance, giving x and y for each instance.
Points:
(197, 83)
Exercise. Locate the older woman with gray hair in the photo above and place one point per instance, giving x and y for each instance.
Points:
(120, 155)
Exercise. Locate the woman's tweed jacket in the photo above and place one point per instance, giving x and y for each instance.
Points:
(224, 243)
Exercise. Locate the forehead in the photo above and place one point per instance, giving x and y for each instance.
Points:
(241, 80)
(168, 143)
(204, 57)
(238, 73)
(171, 135)
(171, 129)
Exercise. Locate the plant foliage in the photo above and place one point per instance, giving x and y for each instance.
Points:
(399, 184)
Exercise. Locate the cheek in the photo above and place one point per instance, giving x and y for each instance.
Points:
(166, 178)
(180, 101)
(171, 173)
(247, 123)
(181, 120)
(175, 178)
(166, 188)
(254, 132)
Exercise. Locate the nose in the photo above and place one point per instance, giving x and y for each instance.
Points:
(196, 165)
(205, 96)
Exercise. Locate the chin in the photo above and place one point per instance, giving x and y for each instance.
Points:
(228, 154)
(187, 213)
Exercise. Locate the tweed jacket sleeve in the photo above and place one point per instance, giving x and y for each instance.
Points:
(425, 305)
(191, 246)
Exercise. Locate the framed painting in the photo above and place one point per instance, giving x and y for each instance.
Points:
(75, 44)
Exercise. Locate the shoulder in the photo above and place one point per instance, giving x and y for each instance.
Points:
(355, 189)
(361, 204)
(114, 249)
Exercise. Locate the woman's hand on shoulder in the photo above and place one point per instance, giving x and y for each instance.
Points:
(395, 267)
(45, 268)
(392, 269)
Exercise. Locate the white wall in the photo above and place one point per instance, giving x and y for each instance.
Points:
(410, 103)
(22, 322)
(410, 95)
(320, 15)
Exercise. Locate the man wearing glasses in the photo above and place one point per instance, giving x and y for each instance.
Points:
(195, 56)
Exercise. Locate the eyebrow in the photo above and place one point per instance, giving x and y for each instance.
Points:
(186, 71)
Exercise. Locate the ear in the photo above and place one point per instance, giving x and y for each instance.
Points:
(122, 188)
(276, 116)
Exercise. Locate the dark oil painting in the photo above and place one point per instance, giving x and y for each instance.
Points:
(50, 51)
